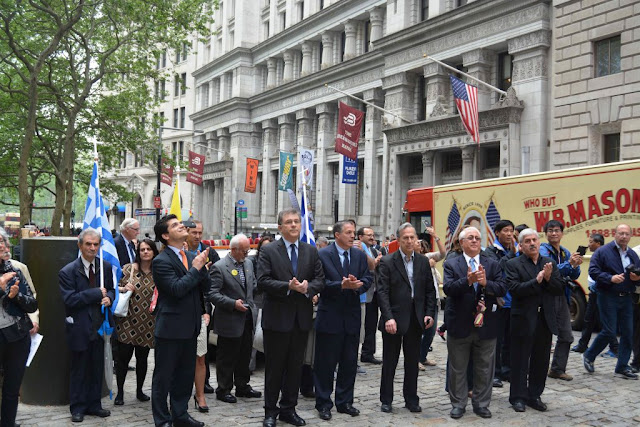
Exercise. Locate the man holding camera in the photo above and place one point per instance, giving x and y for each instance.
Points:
(616, 271)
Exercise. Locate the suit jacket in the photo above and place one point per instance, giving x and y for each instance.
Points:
(527, 294)
(226, 288)
(463, 299)
(179, 308)
(606, 263)
(394, 291)
(282, 307)
(81, 300)
(372, 289)
(339, 309)
(123, 251)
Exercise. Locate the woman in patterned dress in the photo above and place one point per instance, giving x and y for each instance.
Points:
(135, 331)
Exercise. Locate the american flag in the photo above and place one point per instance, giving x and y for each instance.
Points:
(452, 224)
(492, 216)
(466, 97)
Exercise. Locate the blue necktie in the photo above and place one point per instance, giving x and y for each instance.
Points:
(345, 263)
(294, 259)
(132, 251)
(472, 261)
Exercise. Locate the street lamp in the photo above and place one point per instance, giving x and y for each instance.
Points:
(160, 129)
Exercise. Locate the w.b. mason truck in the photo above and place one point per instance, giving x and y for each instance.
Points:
(593, 199)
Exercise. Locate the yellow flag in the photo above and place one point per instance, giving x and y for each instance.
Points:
(175, 202)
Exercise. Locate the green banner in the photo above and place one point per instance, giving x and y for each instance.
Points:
(285, 180)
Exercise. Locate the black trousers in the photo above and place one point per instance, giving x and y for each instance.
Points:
(530, 362)
(335, 350)
(410, 343)
(283, 356)
(13, 358)
(175, 368)
(503, 344)
(370, 328)
(636, 335)
(86, 376)
(232, 360)
(125, 351)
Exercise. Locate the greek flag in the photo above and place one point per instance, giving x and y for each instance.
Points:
(306, 234)
(95, 217)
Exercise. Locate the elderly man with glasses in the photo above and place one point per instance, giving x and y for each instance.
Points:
(127, 240)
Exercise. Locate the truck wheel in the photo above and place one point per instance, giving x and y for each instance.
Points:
(577, 308)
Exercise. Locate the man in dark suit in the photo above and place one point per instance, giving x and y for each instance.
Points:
(533, 281)
(615, 267)
(347, 276)
(126, 241)
(232, 285)
(407, 300)
(472, 282)
(83, 298)
(290, 274)
(366, 237)
(179, 278)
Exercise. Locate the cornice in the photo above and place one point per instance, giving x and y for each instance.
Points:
(230, 60)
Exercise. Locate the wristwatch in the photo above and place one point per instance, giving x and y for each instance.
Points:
(437, 239)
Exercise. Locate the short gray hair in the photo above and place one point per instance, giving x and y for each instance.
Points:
(88, 232)
(322, 239)
(128, 222)
(526, 232)
(236, 240)
(288, 211)
(403, 227)
(463, 233)
(4, 236)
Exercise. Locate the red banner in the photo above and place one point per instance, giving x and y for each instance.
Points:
(194, 178)
(251, 178)
(167, 173)
(196, 168)
(349, 125)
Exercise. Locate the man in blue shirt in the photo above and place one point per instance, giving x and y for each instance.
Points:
(569, 267)
(615, 268)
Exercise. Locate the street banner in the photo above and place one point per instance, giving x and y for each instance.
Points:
(285, 180)
(167, 173)
(196, 168)
(349, 125)
(251, 177)
(349, 171)
(305, 163)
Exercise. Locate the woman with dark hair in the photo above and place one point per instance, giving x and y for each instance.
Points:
(135, 331)
(265, 239)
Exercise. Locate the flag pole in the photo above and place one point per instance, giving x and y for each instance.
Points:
(367, 103)
(98, 213)
(455, 70)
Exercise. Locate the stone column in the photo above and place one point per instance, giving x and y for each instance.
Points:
(287, 74)
(468, 160)
(350, 30)
(223, 144)
(272, 66)
(216, 218)
(269, 155)
(211, 142)
(324, 173)
(287, 141)
(244, 145)
(376, 17)
(438, 85)
(372, 184)
(307, 50)
(327, 50)
(427, 168)
(479, 63)
(399, 94)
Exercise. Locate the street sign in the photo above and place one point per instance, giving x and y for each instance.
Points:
(240, 202)
(157, 203)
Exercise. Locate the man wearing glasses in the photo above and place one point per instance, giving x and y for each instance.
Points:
(127, 240)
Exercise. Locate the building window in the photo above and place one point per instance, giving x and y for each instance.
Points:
(182, 116)
(424, 10)
(185, 50)
(161, 118)
(181, 152)
(414, 165)
(300, 10)
(492, 157)
(505, 69)
(156, 90)
(183, 83)
(265, 29)
(461, 2)
(176, 85)
(320, 4)
(421, 88)
(176, 117)
(163, 89)
(611, 148)
(283, 21)
(608, 56)
(451, 161)
(343, 42)
(367, 35)
(164, 58)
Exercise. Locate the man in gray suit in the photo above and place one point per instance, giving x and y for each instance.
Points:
(234, 318)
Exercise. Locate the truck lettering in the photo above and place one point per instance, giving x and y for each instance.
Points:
(576, 213)
(594, 207)
(532, 203)
(606, 200)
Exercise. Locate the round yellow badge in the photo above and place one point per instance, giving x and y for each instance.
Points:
(234, 272)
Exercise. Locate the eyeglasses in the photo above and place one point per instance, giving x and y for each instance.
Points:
(554, 231)
(473, 238)
(134, 229)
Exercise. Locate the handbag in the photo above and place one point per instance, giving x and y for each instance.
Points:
(122, 308)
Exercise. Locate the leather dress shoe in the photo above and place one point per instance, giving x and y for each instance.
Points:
(497, 382)
(456, 413)
(188, 422)
(588, 365)
(119, 400)
(627, 374)
(292, 418)
(324, 414)
(308, 394)
(579, 348)
(208, 389)
(102, 413)
(413, 407)
(537, 404)
(482, 412)
(77, 418)
(227, 398)
(370, 359)
(142, 397)
(249, 393)
(559, 375)
(269, 421)
(348, 409)
(635, 368)
(519, 406)
(386, 407)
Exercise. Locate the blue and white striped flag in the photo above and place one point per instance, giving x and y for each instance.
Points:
(306, 234)
(95, 217)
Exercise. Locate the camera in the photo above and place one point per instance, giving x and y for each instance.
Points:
(633, 269)
(189, 224)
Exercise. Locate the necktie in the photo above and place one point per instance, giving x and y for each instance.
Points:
(294, 259)
(472, 263)
(92, 276)
(184, 259)
(132, 251)
(240, 268)
(345, 263)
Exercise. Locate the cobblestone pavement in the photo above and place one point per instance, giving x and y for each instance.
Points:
(596, 399)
